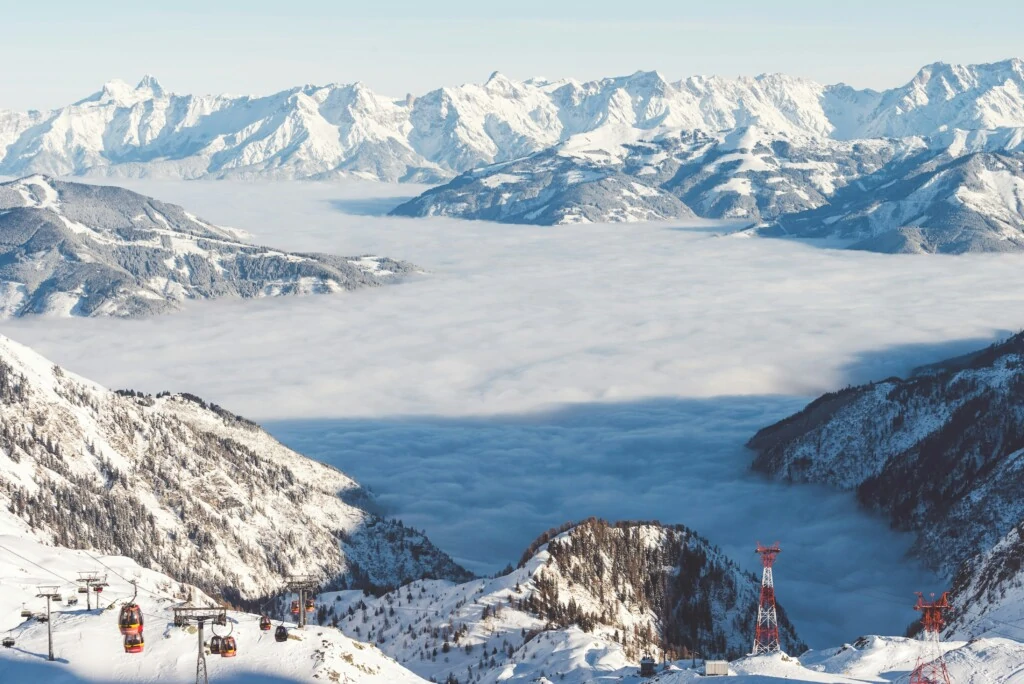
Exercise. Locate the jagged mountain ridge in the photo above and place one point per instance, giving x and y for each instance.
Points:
(611, 591)
(939, 453)
(186, 488)
(89, 250)
(348, 130)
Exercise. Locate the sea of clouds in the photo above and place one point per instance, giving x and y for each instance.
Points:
(533, 375)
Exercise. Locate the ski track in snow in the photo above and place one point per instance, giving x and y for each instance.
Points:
(671, 346)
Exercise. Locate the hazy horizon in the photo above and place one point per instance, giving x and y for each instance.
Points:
(400, 47)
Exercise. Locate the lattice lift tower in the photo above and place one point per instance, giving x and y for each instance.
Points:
(199, 617)
(766, 635)
(305, 586)
(931, 668)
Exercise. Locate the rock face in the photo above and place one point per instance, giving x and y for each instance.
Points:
(591, 596)
(940, 453)
(187, 489)
(85, 250)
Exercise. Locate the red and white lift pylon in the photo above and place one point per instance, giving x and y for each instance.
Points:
(766, 636)
(931, 667)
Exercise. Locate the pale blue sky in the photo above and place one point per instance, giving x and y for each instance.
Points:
(64, 50)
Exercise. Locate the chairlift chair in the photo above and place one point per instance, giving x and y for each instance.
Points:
(281, 634)
(310, 606)
(264, 623)
(295, 608)
(216, 642)
(228, 648)
(25, 612)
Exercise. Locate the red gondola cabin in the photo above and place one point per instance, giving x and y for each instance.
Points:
(134, 643)
(130, 620)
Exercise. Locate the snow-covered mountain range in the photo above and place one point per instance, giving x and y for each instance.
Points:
(186, 488)
(90, 250)
(954, 192)
(324, 131)
(941, 454)
(896, 171)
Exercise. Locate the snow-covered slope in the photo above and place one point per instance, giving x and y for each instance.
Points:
(594, 597)
(326, 131)
(186, 488)
(940, 97)
(940, 453)
(963, 194)
(88, 648)
(85, 250)
(610, 175)
(956, 192)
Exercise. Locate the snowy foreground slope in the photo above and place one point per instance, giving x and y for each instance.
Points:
(186, 488)
(88, 647)
(940, 453)
(594, 596)
(75, 249)
(489, 631)
(325, 131)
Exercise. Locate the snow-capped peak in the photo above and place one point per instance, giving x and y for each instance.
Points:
(150, 83)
